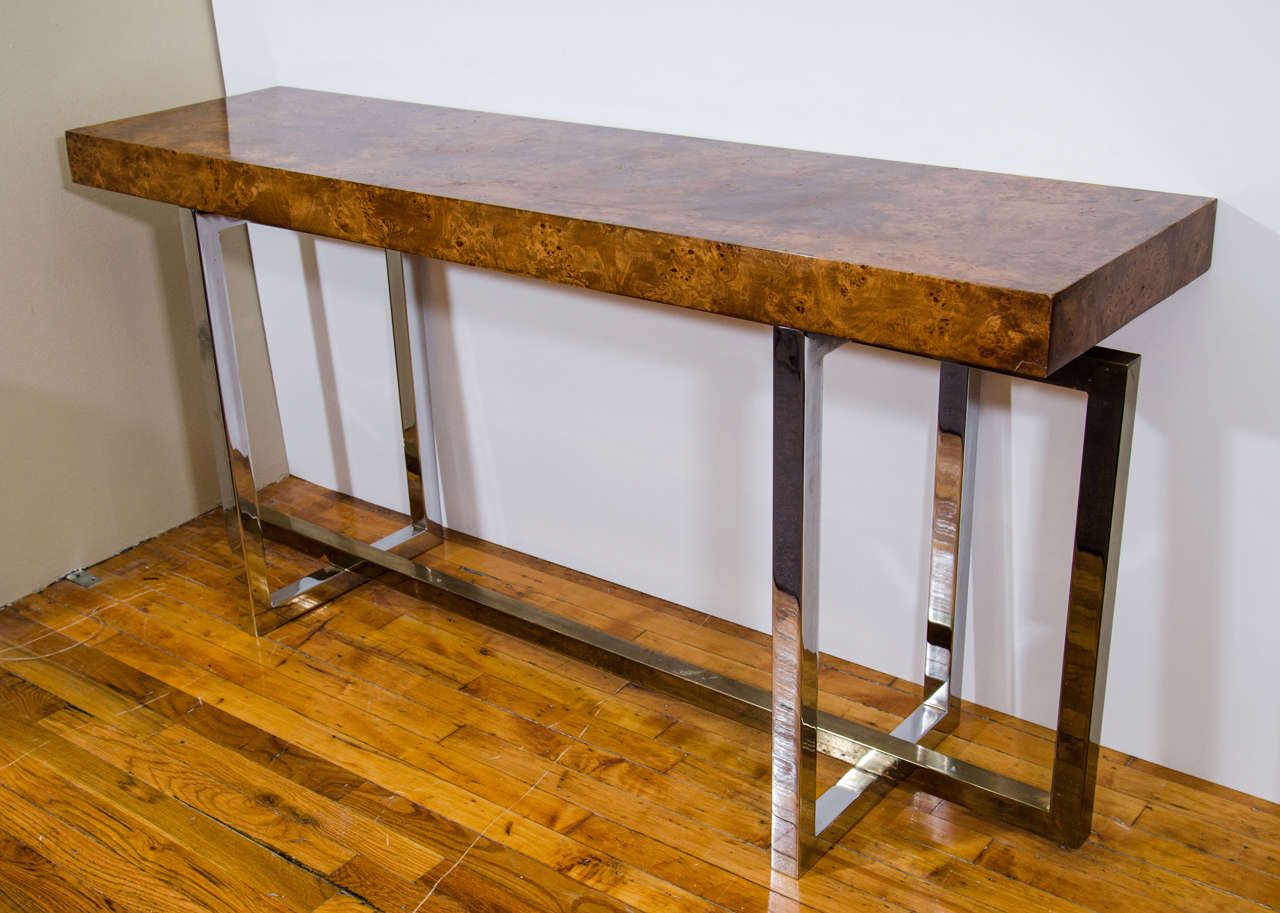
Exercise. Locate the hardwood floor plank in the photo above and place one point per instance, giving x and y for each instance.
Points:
(30, 883)
(1210, 838)
(669, 632)
(512, 660)
(304, 768)
(1110, 867)
(511, 829)
(285, 835)
(300, 693)
(384, 890)
(1196, 865)
(22, 700)
(1204, 786)
(641, 816)
(411, 781)
(1254, 823)
(91, 665)
(406, 858)
(348, 637)
(1108, 802)
(1066, 881)
(238, 859)
(597, 771)
(118, 860)
(512, 579)
(308, 826)
(14, 901)
(344, 903)
(579, 727)
(67, 685)
(483, 858)
(681, 868)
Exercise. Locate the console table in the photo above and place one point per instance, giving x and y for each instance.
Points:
(979, 271)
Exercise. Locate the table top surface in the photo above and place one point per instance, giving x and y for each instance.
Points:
(1012, 273)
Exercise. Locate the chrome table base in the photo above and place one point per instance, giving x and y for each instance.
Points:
(804, 823)
(214, 327)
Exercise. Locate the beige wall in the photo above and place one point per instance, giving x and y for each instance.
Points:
(103, 434)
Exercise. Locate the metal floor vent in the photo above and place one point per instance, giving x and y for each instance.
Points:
(83, 578)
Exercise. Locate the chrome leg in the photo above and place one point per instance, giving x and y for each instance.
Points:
(209, 370)
(797, 460)
(215, 329)
(803, 822)
(1110, 379)
(949, 547)
(421, 471)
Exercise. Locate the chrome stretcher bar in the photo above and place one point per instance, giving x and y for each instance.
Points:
(804, 823)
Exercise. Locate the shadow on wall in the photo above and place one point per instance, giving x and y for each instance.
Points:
(162, 221)
(991, 655)
(1195, 553)
(878, 441)
(434, 341)
(201, 440)
(534, 367)
(325, 362)
(1198, 544)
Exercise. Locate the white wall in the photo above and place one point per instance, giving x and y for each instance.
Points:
(631, 440)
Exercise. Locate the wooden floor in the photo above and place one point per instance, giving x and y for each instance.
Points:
(388, 753)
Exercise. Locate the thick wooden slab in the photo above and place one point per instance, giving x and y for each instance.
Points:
(1011, 273)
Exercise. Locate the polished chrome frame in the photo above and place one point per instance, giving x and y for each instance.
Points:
(803, 822)
(244, 515)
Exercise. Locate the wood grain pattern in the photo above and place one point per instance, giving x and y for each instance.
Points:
(152, 756)
(1011, 273)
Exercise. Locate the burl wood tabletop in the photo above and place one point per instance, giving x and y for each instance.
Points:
(1011, 273)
